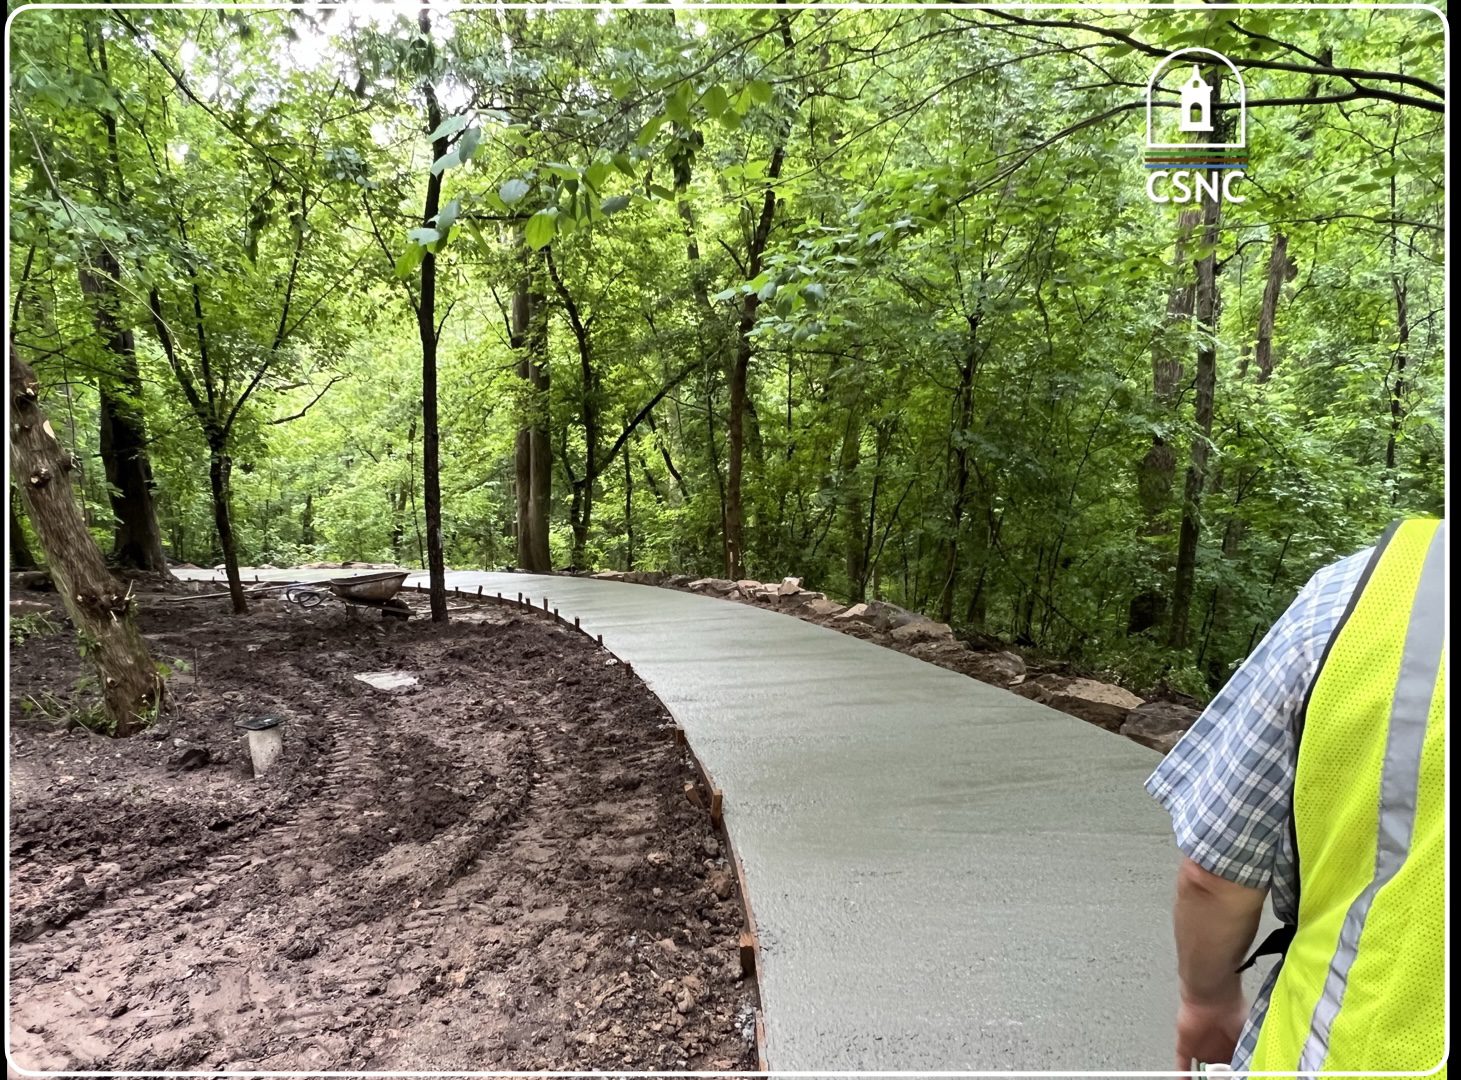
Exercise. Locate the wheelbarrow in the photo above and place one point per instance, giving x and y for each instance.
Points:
(376, 591)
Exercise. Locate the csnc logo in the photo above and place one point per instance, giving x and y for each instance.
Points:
(1196, 152)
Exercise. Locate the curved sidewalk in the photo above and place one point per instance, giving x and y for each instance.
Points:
(945, 875)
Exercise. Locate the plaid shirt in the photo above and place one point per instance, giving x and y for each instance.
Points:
(1228, 783)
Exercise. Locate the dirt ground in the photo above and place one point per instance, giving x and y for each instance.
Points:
(495, 869)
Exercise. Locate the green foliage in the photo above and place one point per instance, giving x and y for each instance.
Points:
(956, 323)
(34, 624)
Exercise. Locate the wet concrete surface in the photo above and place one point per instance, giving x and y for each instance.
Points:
(944, 875)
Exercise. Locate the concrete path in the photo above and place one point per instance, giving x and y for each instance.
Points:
(945, 875)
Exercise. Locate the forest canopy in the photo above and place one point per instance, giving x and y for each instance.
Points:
(876, 298)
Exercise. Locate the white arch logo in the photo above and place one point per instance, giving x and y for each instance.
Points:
(1185, 161)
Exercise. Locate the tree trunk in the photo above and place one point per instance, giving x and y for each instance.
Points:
(20, 553)
(138, 540)
(853, 503)
(739, 374)
(1157, 471)
(533, 456)
(427, 329)
(307, 521)
(1278, 273)
(1206, 384)
(98, 607)
(581, 505)
(220, 471)
(628, 510)
(963, 419)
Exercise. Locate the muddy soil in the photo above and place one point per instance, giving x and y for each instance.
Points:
(497, 868)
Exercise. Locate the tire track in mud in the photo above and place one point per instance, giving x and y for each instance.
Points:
(454, 876)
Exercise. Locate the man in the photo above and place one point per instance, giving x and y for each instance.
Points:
(1317, 776)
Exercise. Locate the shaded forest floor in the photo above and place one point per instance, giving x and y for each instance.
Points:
(496, 868)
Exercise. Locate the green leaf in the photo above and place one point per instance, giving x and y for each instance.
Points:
(409, 260)
(446, 161)
(715, 101)
(597, 173)
(423, 235)
(651, 129)
(448, 128)
(761, 91)
(449, 213)
(541, 228)
(467, 144)
(514, 191)
(614, 204)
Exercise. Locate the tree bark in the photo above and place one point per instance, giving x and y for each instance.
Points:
(1278, 273)
(427, 329)
(963, 420)
(1157, 471)
(581, 506)
(98, 607)
(1184, 579)
(138, 540)
(740, 372)
(21, 557)
(533, 456)
(220, 473)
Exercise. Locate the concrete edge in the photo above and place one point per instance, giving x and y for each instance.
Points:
(750, 937)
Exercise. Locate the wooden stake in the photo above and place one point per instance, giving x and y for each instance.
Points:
(748, 954)
(693, 794)
(715, 801)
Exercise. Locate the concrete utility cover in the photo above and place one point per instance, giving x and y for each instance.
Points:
(389, 680)
(945, 876)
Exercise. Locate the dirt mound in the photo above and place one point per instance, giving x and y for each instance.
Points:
(495, 869)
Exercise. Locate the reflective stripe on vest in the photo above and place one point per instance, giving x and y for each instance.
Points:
(1362, 986)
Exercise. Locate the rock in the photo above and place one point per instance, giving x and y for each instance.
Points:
(610, 575)
(388, 680)
(1000, 668)
(822, 608)
(190, 757)
(19, 608)
(676, 581)
(32, 581)
(722, 884)
(747, 586)
(789, 586)
(921, 630)
(857, 612)
(719, 586)
(1159, 724)
(887, 616)
(1099, 703)
(711, 846)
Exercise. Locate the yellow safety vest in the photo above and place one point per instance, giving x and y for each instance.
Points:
(1362, 984)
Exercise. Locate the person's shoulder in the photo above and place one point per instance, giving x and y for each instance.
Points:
(1322, 602)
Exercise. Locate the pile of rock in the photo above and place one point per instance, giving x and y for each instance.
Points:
(1157, 724)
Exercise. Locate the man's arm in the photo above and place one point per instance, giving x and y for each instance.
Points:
(1215, 922)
